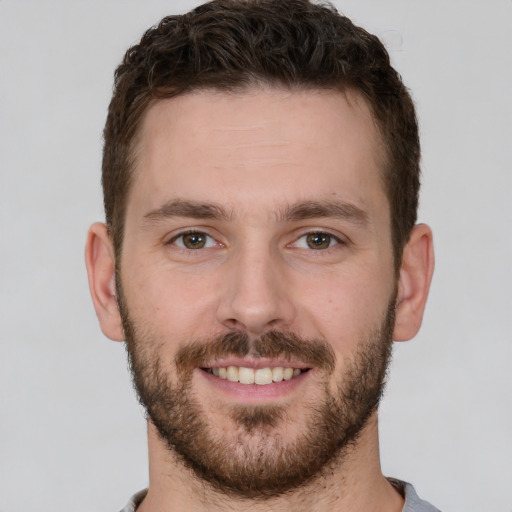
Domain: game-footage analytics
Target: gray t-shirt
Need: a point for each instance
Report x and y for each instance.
(412, 502)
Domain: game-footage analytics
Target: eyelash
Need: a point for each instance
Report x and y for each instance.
(174, 239)
(333, 241)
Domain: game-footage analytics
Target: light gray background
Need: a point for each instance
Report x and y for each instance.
(72, 437)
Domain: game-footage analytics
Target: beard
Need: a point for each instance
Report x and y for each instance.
(254, 460)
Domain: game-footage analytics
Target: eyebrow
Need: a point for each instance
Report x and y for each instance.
(295, 212)
(186, 208)
(332, 209)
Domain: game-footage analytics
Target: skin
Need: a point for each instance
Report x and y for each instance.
(257, 155)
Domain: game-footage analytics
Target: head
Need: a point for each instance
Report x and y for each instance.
(260, 176)
(232, 46)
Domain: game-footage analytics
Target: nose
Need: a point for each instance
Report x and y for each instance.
(255, 294)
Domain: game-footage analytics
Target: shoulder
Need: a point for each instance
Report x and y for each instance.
(135, 501)
(413, 503)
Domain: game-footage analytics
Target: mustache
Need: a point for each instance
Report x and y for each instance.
(314, 352)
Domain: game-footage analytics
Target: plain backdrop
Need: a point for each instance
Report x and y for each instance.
(72, 436)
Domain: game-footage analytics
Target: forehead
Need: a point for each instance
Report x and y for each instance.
(238, 146)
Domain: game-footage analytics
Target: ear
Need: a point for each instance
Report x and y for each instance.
(414, 283)
(100, 262)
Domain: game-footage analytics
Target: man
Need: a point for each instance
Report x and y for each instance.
(260, 254)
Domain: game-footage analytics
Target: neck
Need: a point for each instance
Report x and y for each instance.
(355, 483)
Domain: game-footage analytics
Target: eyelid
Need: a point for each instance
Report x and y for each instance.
(338, 237)
(191, 231)
(333, 242)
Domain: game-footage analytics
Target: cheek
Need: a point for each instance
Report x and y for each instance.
(171, 304)
(343, 308)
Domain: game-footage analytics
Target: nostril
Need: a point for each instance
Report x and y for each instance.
(253, 308)
(232, 323)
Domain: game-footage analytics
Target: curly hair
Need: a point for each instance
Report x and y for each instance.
(233, 45)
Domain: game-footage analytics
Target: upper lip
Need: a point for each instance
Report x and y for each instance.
(255, 363)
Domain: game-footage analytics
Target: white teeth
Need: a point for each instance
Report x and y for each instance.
(246, 375)
(287, 373)
(232, 373)
(261, 376)
(277, 374)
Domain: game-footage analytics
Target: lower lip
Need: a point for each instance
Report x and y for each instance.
(253, 393)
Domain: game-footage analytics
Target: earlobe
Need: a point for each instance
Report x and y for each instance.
(100, 262)
(414, 283)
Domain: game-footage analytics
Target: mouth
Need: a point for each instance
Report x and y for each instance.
(256, 376)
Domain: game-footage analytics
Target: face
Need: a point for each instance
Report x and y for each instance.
(256, 281)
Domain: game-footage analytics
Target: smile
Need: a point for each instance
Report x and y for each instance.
(260, 376)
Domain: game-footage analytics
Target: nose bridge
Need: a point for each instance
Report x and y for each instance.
(255, 297)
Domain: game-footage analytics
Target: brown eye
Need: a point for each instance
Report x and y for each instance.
(319, 240)
(194, 240)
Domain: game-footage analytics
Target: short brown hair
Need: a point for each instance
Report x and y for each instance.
(231, 45)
